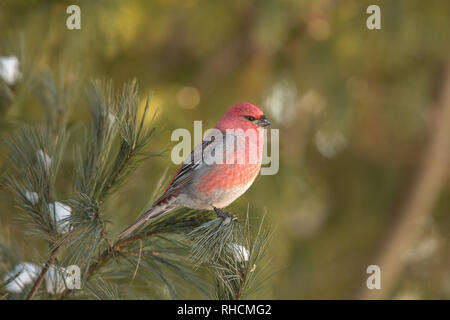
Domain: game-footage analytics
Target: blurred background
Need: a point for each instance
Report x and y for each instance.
(363, 117)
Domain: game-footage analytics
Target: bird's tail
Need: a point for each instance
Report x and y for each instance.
(153, 212)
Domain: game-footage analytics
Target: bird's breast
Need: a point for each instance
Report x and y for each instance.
(225, 177)
(222, 183)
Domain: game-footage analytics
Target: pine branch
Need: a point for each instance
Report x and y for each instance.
(45, 144)
(176, 244)
(107, 253)
(233, 255)
(38, 150)
(181, 221)
(42, 274)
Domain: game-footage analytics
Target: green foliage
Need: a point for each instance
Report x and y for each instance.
(34, 159)
(234, 255)
(353, 107)
(110, 149)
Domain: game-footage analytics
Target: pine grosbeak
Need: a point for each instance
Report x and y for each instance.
(219, 170)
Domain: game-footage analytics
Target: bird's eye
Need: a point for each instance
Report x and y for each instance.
(250, 118)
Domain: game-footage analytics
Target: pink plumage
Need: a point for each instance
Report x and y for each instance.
(205, 183)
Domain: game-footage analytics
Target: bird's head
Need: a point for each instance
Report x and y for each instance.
(243, 116)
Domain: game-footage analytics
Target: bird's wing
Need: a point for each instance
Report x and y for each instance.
(182, 178)
(185, 174)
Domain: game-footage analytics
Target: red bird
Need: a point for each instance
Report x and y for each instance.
(219, 170)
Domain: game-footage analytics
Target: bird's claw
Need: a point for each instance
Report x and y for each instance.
(224, 215)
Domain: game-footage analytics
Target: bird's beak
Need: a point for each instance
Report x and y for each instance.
(263, 122)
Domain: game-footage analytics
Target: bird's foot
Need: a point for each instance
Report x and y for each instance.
(224, 215)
